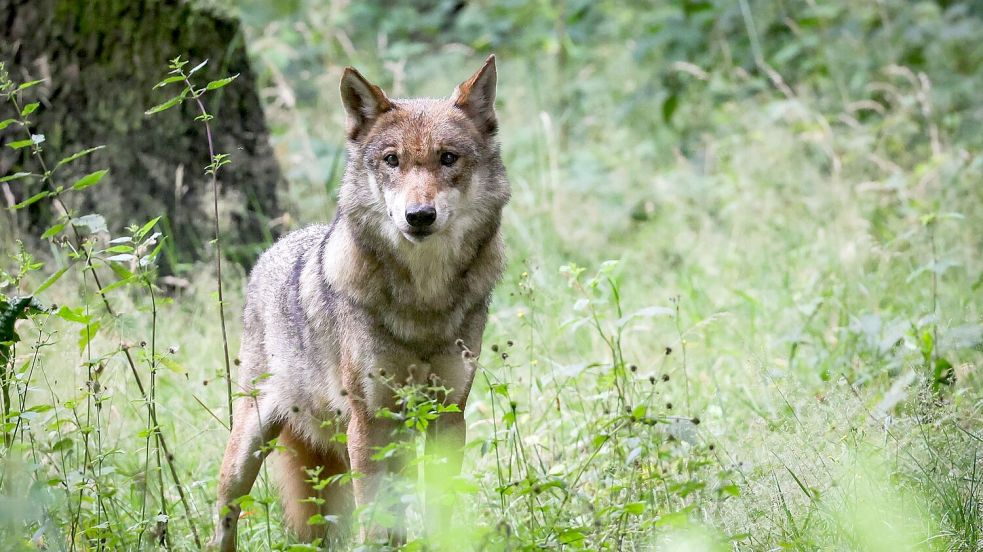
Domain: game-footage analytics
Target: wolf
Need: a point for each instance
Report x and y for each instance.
(396, 288)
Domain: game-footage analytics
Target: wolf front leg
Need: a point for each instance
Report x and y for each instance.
(256, 423)
(366, 435)
(445, 454)
(446, 437)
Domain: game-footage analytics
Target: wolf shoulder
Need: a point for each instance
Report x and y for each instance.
(273, 272)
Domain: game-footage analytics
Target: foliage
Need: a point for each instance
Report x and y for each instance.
(784, 353)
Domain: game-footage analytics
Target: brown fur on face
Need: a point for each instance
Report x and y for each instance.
(419, 132)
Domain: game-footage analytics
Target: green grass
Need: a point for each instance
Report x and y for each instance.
(773, 275)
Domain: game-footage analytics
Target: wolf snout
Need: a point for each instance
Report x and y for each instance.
(421, 216)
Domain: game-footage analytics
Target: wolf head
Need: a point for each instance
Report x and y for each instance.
(423, 170)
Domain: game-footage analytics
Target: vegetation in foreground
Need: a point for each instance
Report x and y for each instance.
(784, 351)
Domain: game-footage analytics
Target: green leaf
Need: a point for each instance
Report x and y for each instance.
(943, 373)
(72, 315)
(634, 508)
(90, 179)
(572, 537)
(29, 84)
(118, 283)
(51, 280)
(150, 257)
(121, 258)
(197, 67)
(29, 108)
(87, 334)
(20, 144)
(17, 309)
(16, 176)
(145, 228)
(166, 105)
(75, 156)
(168, 80)
(172, 365)
(120, 271)
(220, 83)
(53, 231)
(7, 122)
(31, 200)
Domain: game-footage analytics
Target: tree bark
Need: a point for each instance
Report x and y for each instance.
(100, 61)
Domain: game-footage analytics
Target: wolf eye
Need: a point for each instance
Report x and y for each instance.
(391, 160)
(447, 158)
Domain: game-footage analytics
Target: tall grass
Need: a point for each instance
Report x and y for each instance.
(744, 318)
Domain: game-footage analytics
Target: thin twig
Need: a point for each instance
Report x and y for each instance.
(196, 94)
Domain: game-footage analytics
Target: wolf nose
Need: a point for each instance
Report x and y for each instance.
(420, 216)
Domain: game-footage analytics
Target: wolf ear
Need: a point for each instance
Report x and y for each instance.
(364, 102)
(476, 96)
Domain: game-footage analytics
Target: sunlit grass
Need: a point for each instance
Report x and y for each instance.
(745, 360)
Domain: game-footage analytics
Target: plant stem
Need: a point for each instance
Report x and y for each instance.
(36, 150)
(196, 94)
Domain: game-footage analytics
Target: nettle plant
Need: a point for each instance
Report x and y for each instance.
(54, 442)
(182, 78)
(600, 458)
(60, 440)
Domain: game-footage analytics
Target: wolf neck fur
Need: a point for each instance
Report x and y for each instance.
(363, 244)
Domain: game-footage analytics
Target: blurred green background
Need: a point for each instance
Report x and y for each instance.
(778, 208)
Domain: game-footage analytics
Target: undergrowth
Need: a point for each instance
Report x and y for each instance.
(742, 309)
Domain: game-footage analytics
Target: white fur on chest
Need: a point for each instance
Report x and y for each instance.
(432, 265)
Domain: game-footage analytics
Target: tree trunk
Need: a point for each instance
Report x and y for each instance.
(100, 61)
